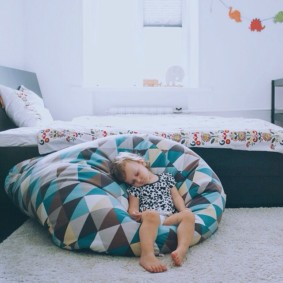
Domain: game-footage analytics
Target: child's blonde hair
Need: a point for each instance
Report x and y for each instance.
(118, 165)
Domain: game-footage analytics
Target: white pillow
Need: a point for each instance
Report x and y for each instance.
(24, 107)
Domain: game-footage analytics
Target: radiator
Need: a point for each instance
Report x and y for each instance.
(141, 110)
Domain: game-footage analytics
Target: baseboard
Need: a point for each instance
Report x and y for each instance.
(264, 114)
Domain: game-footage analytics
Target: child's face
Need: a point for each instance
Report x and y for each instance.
(137, 173)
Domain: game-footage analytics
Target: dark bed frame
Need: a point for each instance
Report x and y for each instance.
(10, 216)
(249, 178)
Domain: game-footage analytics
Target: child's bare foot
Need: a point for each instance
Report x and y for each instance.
(152, 264)
(178, 256)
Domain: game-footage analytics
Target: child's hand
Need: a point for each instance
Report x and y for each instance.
(136, 215)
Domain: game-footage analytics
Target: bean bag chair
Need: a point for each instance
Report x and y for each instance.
(72, 193)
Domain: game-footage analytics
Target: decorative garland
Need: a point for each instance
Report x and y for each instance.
(256, 23)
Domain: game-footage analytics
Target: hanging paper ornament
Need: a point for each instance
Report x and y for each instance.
(278, 17)
(256, 25)
(235, 15)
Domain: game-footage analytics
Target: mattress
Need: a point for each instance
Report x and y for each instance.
(27, 136)
(190, 130)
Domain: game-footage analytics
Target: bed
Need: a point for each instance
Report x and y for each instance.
(10, 216)
(248, 161)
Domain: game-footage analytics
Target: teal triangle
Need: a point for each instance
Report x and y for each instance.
(160, 161)
(218, 210)
(80, 210)
(206, 170)
(208, 220)
(174, 155)
(121, 251)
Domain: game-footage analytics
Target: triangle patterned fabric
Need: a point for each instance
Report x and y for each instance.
(72, 194)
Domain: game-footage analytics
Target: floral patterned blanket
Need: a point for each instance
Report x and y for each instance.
(192, 131)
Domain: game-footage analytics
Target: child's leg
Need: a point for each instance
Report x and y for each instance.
(185, 231)
(148, 233)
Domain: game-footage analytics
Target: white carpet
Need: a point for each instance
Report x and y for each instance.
(248, 247)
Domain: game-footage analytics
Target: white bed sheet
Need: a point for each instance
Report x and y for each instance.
(171, 122)
(27, 136)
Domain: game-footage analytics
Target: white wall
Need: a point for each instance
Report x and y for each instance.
(11, 33)
(54, 51)
(236, 65)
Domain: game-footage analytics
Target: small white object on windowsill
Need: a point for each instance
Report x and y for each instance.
(174, 76)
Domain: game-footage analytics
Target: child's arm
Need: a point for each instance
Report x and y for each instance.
(134, 208)
(177, 199)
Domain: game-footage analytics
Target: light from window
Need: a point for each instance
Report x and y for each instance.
(166, 13)
(126, 47)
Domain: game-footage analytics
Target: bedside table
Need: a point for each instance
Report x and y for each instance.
(276, 114)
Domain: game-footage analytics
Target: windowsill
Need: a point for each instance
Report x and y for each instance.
(146, 89)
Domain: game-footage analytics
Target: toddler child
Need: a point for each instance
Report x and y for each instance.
(154, 200)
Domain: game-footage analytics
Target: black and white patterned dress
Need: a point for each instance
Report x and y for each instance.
(157, 195)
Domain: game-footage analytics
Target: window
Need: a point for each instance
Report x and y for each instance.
(135, 43)
(162, 13)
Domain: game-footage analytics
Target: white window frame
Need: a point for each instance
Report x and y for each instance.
(190, 25)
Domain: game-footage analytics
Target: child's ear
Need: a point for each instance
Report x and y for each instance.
(145, 164)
